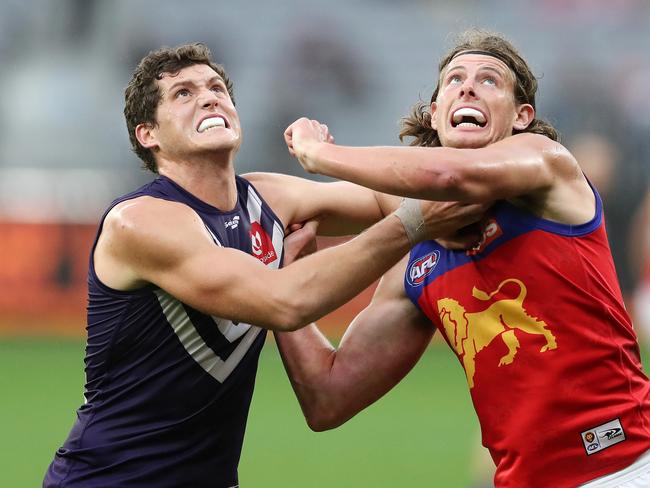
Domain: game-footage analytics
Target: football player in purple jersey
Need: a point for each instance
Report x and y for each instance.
(185, 278)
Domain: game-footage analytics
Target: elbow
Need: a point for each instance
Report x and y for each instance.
(456, 185)
(286, 315)
(298, 316)
(328, 412)
(448, 184)
(436, 184)
(319, 426)
(322, 421)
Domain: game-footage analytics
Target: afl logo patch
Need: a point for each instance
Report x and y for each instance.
(421, 268)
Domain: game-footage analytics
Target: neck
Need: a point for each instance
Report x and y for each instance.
(211, 181)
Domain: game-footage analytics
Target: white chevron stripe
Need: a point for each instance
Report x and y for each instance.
(185, 329)
(196, 346)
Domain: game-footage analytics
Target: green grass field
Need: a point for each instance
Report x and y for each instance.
(420, 434)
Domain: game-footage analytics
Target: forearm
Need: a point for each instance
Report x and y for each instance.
(309, 358)
(319, 283)
(332, 385)
(242, 289)
(405, 171)
(342, 208)
(378, 349)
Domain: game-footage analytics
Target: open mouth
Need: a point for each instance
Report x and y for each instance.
(211, 123)
(468, 117)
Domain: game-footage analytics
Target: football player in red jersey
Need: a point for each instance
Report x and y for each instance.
(534, 312)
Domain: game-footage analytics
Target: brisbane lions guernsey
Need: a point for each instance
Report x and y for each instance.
(536, 317)
(168, 388)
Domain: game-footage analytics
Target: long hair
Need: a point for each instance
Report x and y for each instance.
(418, 124)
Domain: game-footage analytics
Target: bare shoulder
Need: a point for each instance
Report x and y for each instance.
(272, 181)
(263, 178)
(145, 234)
(569, 199)
(139, 226)
(558, 158)
(145, 215)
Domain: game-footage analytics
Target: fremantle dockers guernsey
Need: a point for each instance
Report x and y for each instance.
(535, 315)
(168, 388)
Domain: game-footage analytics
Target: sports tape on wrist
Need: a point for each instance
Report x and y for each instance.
(410, 214)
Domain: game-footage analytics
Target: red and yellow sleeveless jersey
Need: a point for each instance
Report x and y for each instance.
(536, 318)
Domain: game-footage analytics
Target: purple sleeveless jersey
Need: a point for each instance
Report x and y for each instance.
(168, 388)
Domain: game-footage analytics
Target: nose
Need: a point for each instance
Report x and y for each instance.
(467, 90)
(208, 98)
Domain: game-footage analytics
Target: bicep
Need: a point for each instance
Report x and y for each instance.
(384, 341)
(342, 208)
(218, 281)
(188, 265)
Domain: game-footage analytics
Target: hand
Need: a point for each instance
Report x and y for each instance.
(300, 242)
(302, 136)
(464, 238)
(453, 222)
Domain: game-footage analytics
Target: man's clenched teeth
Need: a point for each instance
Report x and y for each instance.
(468, 117)
(211, 122)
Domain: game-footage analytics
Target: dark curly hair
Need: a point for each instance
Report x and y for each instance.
(142, 95)
(418, 124)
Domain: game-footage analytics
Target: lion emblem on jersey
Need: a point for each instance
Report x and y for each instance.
(469, 333)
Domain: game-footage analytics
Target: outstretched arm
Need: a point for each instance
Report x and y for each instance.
(530, 167)
(502, 170)
(379, 348)
(136, 247)
(341, 208)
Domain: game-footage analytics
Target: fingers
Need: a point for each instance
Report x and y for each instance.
(309, 227)
(472, 212)
(301, 241)
(307, 128)
(312, 226)
(459, 242)
(445, 218)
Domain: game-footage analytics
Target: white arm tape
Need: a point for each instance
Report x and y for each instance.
(410, 214)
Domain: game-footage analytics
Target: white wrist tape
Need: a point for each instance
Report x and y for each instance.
(410, 214)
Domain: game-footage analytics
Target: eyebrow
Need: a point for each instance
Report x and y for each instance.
(212, 80)
(482, 68)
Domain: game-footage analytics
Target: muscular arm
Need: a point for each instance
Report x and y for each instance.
(379, 348)
(148, 240)
(538, 173)
(505, 169)
(341, 208)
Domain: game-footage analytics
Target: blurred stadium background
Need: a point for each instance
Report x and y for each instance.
(357, 65)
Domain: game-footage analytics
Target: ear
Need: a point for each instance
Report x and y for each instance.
(146, 135)
(434, 115)
(524, 116)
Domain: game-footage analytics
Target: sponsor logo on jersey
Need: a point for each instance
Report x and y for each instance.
(422, 267)
(262, 245)
(232, 223)
(491, 232)
(503, 318)
(603, 436)
(610, 434)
